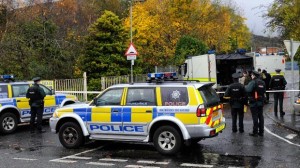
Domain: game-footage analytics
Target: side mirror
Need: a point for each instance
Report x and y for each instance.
(95, 100)
(52, 92)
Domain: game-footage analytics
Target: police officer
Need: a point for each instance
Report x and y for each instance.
(36, 95)
(267, 82)
(237, 94)
(278, 82)
(256, 90)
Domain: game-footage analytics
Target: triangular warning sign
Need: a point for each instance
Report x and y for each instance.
(131, 50)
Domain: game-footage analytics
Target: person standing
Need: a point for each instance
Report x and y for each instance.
(278, 82)
(36, 95)
(256, 94)
(245, 79)
(267, 82)
(237, 94)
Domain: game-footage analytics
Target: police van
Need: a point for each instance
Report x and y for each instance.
(14, 106)
(166, 113)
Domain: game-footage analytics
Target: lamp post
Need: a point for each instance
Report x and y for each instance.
(132, 61)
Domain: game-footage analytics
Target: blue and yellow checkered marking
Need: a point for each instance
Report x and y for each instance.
(129, 114)
(8, 102)
(59, 99)
(84, 113)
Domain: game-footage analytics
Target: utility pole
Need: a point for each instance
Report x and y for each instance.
(132, 61)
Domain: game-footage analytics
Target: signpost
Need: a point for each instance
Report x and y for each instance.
(292, 47)
(131, 54)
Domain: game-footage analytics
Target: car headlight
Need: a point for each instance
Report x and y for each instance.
(55, 115)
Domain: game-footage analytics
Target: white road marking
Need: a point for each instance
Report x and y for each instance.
(26, 159)
(152, 162)
(75, 155)
(163, 163)
(113, 160)
(79, 157)
(63, 161)
(195, 165)
(281, 137)
(146, 161)
(291, 136)
(140, 166)
(100, 164)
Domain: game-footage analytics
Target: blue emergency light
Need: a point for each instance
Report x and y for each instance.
(7, 77)
(160, 76)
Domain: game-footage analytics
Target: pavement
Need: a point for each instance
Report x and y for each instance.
(291, 119)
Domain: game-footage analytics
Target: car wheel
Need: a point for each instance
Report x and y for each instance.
(70, 135)
(8, 123)
(167, 140)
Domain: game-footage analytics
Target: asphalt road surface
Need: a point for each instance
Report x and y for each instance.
(278, 148)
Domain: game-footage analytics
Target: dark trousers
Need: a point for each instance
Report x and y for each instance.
(36, 112)
(278, 96)
(258, 119)
(234, 113)
(267, 96)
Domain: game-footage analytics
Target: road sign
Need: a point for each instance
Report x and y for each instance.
(131, 57)
(131, 51)
(291, 44)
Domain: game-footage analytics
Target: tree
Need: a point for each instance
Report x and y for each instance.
(32, 49)
(283, 16)
(157, 28)
(188, 46)
(104, 50)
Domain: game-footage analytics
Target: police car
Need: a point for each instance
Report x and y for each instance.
(14, 106)
(165, 113)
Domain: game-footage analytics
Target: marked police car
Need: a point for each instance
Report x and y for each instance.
(14, 106)
(165, 113)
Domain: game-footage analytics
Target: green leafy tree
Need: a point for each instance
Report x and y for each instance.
(104, 50)
(284, 17)
(32, 49)
(188, 45)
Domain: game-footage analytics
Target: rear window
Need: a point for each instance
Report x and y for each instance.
(3, 91)
(174, 96)
(209, 95)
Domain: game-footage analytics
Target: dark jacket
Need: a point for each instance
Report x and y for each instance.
(253, 87)
(278, 82)
(36, 95)
(237, 93)
(267, 80)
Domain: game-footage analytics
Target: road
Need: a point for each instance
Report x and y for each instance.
(278, 148)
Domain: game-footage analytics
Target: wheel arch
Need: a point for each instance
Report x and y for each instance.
(11, 109)
(168, 120)
(72, 118)
(66, 101)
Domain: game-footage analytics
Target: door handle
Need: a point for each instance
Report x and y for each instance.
(148, 111)
(18, 100)
(115, 111)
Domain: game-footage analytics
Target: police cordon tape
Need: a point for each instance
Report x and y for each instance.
(274, 91)
(98, 92)
(88, 92)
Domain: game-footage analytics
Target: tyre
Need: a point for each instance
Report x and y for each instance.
(167, 140)
(8, 122)
(70, 135)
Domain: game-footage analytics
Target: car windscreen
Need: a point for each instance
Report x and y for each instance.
(209, 95)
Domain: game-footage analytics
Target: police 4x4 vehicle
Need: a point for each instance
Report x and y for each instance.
(14, 106)
(165, 113)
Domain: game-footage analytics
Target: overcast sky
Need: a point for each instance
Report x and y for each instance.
(253, 11)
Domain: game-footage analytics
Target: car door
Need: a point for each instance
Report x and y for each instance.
(49, 102)
(19, 94)
(140, 104)
(106, 115)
